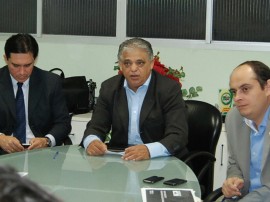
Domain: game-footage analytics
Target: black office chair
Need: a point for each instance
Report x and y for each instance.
(213, 196)
(204, 124)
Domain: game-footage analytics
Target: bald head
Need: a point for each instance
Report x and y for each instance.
(260, 70)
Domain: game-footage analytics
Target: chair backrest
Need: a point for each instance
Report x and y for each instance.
(204, 124)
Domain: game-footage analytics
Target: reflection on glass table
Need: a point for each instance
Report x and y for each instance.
(68, 172)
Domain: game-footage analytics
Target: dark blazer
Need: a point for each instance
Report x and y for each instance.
(47, 111)
(162, 117)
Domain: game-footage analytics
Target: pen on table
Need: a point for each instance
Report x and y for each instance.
(55, 155)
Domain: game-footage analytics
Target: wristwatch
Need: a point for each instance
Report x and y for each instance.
(49, 142)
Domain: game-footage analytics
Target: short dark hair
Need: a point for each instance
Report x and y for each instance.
(21, 43)
(14, 188)
(261, 70)
(135, 43)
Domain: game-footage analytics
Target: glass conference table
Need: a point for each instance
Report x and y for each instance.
(70, 174)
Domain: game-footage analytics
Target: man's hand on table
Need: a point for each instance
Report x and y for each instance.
(10, 144)
(136, 153)
(38, 142)
(96, 148)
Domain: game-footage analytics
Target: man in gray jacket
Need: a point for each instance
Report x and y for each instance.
(248, 131)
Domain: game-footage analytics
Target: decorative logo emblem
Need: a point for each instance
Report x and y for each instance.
(226, 98)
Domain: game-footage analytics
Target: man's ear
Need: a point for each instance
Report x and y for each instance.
(5, 58)
(152, 63)
(267, 87)
(35, 60)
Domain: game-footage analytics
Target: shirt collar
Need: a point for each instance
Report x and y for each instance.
(251, 123)
(14, 81)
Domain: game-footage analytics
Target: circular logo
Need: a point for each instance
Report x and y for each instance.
(226, 98)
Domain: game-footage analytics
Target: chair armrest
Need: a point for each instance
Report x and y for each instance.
(193, 155)
(191, 159)
(213, 196)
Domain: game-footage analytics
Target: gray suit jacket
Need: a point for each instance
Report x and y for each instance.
(238, 134)
(162, 118)
(47, 111)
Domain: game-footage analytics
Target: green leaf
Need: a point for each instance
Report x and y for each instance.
(184, 92)
(182, 74)
(192, 90)
(194, 94)
(199, 89)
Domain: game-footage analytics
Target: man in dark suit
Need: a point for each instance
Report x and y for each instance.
(46, 121)
(144, 110)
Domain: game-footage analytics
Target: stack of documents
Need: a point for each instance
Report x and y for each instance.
(168, 195)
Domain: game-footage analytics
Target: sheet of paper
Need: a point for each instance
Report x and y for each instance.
(168, 195)
(115, 152)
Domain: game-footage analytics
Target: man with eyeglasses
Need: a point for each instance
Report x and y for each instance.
(33, 112)
(144, 110)
(248, 133)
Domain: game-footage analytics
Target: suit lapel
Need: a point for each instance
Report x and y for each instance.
(148, 100)
(121, 107)
(7, 92)
(245, 151)
(35, 91)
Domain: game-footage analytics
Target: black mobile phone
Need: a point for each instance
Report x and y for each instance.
(25, 145)
(152, 179)
(174, 182)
